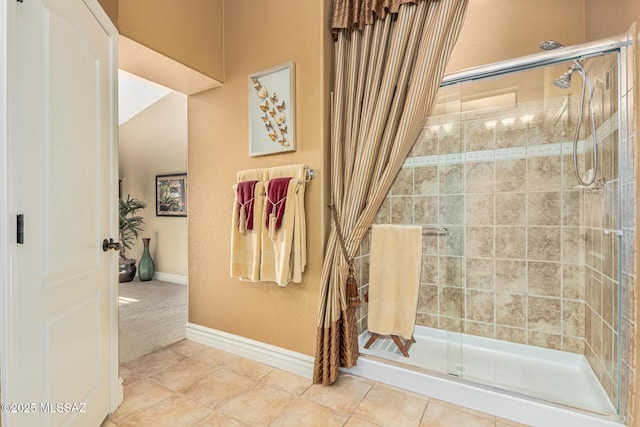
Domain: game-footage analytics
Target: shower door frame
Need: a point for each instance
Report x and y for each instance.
(618, 46)
(621, 45)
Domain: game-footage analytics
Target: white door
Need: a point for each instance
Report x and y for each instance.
(63, 137)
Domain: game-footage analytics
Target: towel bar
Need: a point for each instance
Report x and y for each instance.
(309, 173)
(433, 230)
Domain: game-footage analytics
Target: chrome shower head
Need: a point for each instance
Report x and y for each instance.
(550, 45)
(564, 81)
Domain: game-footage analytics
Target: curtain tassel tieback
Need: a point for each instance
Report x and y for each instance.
(351, 286)
(353, 296)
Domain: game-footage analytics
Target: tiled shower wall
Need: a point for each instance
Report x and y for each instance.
(601, 236)
(628, 224)
(510, 206)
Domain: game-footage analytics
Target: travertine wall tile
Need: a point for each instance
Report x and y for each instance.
(543, 173)
(480, 177)
(511, 310)
(543, 243)
(510, 208)
(510, 242)
(510, 175)
(480, 242)
(544, 315)
(511, 276)
(543, 208)
(480, 209)
(544, 278)
(480, 273)
(426, 180)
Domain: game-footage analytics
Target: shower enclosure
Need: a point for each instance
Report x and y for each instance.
(527, 290)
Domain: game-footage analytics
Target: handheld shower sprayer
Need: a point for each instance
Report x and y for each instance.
(564, 82)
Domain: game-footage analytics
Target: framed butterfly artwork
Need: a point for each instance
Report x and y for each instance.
(272, 110)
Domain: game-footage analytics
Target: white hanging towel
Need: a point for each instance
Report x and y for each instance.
(246, 244)
(284, 255)
(394, 279)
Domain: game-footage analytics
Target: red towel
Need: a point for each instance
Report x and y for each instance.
(276, 200)
(246, 195)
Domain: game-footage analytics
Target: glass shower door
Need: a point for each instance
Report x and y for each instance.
(526, 271)
(547, 240)
(445, 244)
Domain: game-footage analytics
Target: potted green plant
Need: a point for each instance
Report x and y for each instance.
(130, 226)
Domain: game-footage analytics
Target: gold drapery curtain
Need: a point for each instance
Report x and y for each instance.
(386, 79)
(358, 13)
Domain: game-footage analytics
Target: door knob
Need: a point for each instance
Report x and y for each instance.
(110, 244)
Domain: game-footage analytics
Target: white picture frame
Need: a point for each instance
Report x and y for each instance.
(272, 110)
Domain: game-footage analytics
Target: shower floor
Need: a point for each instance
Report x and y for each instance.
(550, 375)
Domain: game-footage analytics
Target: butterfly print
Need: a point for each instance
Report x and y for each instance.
(264, 107)
(268, 125)
(284, 130)
(273, 135)
(280, 107)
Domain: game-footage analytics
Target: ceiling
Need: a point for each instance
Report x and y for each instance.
(136, 94)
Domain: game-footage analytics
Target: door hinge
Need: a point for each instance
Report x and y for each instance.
(21, 229)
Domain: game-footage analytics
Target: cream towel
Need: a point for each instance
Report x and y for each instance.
(284, 257)
(394, 279)
(246, 247)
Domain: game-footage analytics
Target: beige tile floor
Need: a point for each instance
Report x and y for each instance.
(189, 384)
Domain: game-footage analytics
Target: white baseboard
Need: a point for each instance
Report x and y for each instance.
(171, 278)
(277, 357)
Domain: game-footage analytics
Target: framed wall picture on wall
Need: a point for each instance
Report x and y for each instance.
(171, 195)
(272, 110)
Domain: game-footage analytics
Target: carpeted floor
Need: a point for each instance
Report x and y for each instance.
(152, 315)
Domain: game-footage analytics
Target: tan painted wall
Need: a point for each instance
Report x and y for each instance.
(258, 35)
(496, 30)
(603, 20)
(188, 32)
(111, 7)
(155, 142)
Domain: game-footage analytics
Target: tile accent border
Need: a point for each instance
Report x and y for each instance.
(278, 357)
